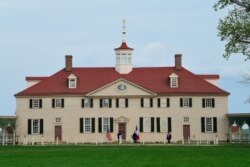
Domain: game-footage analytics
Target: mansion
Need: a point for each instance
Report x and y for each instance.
(86, 103)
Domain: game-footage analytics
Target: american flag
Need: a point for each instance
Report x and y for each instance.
(108, 135)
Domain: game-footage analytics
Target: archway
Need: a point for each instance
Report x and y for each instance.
(9, 135)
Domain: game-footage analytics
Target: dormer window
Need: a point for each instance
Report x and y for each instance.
(174, 80)
(72, 81)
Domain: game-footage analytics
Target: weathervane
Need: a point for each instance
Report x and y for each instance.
(123, 30)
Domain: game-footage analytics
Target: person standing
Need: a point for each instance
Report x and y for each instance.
(119, 137)
(169, 136)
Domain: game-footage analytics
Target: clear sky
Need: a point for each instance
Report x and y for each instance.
(35, 35)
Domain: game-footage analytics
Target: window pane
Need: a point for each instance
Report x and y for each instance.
(121, 103)
(58, 103)
(105, 124)
(105, 103)
(35, 126)
(146, 102)
(86, 102)
(163, 102)
(185, 102)
(35, 103)
(208, 102)
(87, 125)
(209, 124)
(146, 124)
(164, 124)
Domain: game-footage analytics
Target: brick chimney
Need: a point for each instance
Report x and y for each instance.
(178, 61)
(68, 63)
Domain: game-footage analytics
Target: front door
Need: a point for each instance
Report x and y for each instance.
(186, 132)
(122, 130)
(58, 132)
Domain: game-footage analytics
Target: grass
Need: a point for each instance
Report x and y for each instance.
(125, 156)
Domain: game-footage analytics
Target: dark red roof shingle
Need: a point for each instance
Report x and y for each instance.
(155, 79)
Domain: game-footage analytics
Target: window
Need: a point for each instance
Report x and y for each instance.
(147, 124)
(57, 103)
(87, 125)
(35, 126)
(163, 124)
(58, 120)
(208, 102)
(163, 102)
(123, 59)
(35, 103)
(208, 124)
(105, 124)
(173, 80)
(146, 102)
(122, 103)
(72, 79)
(87, 103)
(185, 102)
(186, 119)
(105, 103)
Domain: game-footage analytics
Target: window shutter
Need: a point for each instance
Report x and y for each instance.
(91, 103)
(151, 102)
(213, 103)
(41, 126)
(117, 103)
(111, 128)
(40, 103)
(152, 124)
(181, 102)
(81, 125)
(203, 103)
(29, 126)
(110, 103)
(126, 103)
(53, 103)
(158, 125)
(159, 102)
(62, 101)
(100, 125)
(168, 102)
(93, 125)
(142, 102)
(141, 124)
(82, 103)
(190, 102)
(169, 124)
(100, 103)
(202, 124)
(215, 124)
(31, 101)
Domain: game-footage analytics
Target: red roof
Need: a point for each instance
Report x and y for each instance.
(35, 78)
(211, 76)
(154, 79)
(124, 46)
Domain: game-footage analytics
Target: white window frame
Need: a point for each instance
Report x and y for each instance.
(186, 119)
(163, 103)
(185, 102)
(105, 124)
(58, 120)
(209, 124)
(72, 83)
(164, 124)
(87, 125)
(208, 102)
(35, 103)
(122, 103)
(35, 128)
(58, 103)
(105, 103)
(146, 124)
(146, 102)
(174, 82)
(87, 103)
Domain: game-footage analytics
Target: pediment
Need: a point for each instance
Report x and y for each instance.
(122, 88)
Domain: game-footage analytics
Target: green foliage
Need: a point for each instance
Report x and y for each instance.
(4, 122)
(125, 156)
(235, 27)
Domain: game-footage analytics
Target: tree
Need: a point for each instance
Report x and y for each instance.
(235, 27)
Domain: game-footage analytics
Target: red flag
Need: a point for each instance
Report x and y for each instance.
(108, 135)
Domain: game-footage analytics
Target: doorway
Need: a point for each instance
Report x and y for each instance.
(58, 133)
(186, 132)
(122, 130)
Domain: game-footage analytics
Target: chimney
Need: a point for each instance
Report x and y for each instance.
(68, 63)
(178, 61)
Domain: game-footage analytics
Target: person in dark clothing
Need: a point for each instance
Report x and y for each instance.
(134, 137)
(169, 136)
(119, 137)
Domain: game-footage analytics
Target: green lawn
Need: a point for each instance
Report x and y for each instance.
(125, 156)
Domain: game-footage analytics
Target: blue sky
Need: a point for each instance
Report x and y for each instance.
(35, 36)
